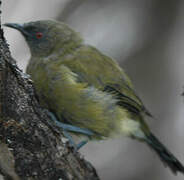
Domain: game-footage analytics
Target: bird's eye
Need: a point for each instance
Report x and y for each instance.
(39, 35)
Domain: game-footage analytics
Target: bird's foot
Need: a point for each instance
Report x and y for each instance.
(72, 143)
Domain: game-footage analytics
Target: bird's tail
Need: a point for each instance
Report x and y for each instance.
(165, 155)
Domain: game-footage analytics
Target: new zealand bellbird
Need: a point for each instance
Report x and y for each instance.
(85, 88)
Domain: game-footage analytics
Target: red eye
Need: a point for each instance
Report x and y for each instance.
(39, 35)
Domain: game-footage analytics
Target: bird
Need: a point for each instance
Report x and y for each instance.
(86, 92)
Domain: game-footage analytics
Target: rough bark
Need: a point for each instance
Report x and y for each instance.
(30, 146)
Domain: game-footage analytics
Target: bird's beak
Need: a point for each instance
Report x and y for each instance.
(19, 27)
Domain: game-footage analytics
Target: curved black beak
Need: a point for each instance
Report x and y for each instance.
(19, 27)
(14, 26)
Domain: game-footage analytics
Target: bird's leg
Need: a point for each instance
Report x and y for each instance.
(67, 127)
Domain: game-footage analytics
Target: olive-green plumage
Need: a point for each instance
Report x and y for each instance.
(86, 88)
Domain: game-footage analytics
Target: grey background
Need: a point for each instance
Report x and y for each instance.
(147, 38)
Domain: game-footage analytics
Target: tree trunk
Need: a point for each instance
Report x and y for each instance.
(30, 146)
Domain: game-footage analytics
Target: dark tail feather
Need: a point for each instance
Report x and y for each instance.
(165, 155)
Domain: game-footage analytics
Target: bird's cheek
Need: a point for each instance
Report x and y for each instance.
(43, 45)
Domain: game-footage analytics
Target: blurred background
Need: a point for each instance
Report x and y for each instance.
(147, 38)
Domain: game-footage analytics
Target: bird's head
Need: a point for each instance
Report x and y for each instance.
(46, 36)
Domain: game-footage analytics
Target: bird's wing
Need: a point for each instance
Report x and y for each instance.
(100, 71)
(129, 103)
